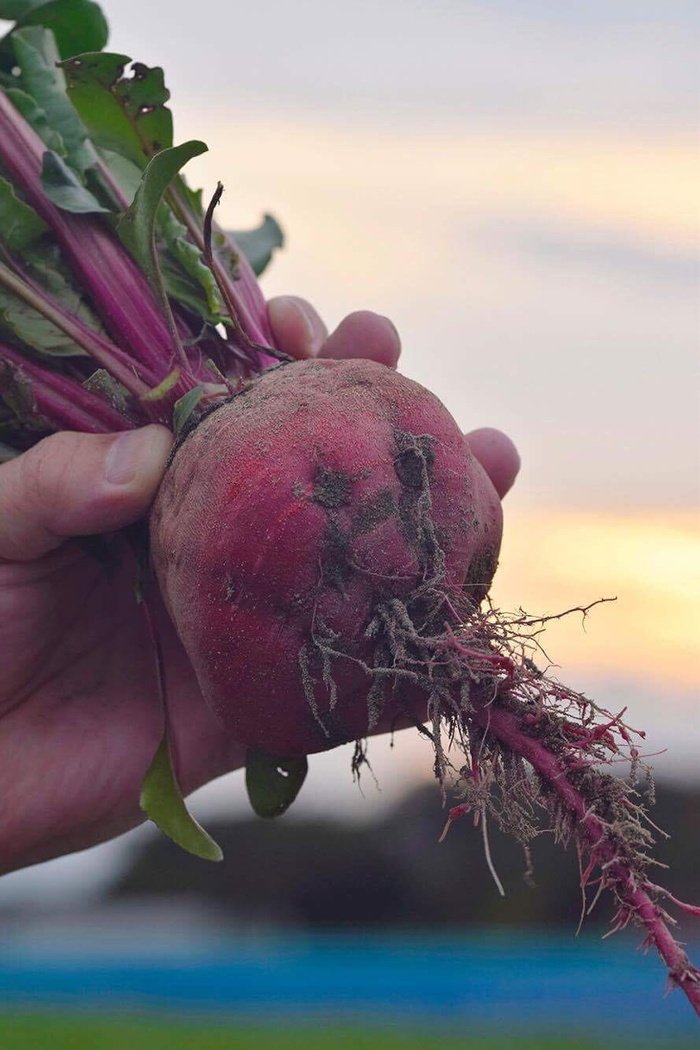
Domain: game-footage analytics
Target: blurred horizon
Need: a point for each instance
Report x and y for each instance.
(328, 922)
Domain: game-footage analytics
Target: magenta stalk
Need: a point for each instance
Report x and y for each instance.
(599, 842)
(61, 401)
(119, 291)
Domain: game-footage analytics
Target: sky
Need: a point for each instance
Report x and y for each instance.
(516, 186)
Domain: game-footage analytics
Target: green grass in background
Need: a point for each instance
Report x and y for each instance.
(64, 1032)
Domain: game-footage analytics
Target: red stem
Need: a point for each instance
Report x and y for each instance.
(245, 293)
(65, 404)
(105, 353)
(118, 289)
(507, 728)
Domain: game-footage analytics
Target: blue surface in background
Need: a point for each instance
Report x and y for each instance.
(491, 980)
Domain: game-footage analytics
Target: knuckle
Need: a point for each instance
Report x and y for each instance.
(44, 469)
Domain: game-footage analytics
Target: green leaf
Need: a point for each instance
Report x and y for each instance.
(215, 370)
(190, 280)
(184, 407)
(77, 25)
(37, 119)
(42, 262)
(192, 200)
(162, 801)
(136, 228)
(125, 173)
(163, 388)
(20, 225)
(181, 287)
(32, 328)
(125, 114)
(100, 183)
(62, 186)
(259, 244)
(37, 56)
(11, 10)
(273, 783)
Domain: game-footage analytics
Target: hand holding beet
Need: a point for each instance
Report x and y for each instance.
(324, 537)
(79, 712)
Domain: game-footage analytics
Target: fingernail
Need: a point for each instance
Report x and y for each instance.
(304, 318)
(125, 454)
(313, 324)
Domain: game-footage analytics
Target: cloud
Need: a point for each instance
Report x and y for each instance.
(599, 13)
(508, 64)
(604, 251)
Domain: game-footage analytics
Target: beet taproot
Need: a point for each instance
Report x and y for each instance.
(296, 523)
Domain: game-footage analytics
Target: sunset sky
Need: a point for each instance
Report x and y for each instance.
(516, 186)
(517, 191)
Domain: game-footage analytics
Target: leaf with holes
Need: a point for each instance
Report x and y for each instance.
(126, 114)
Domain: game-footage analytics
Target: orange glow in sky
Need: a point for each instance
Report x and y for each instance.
(555, 559)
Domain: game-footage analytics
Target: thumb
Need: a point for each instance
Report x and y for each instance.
(76, 485)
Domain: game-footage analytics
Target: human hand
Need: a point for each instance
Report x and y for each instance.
(80, 714)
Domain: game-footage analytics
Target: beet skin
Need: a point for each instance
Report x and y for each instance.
(298, 524)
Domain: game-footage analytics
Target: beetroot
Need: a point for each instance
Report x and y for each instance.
(326, 504)
(324, 541)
